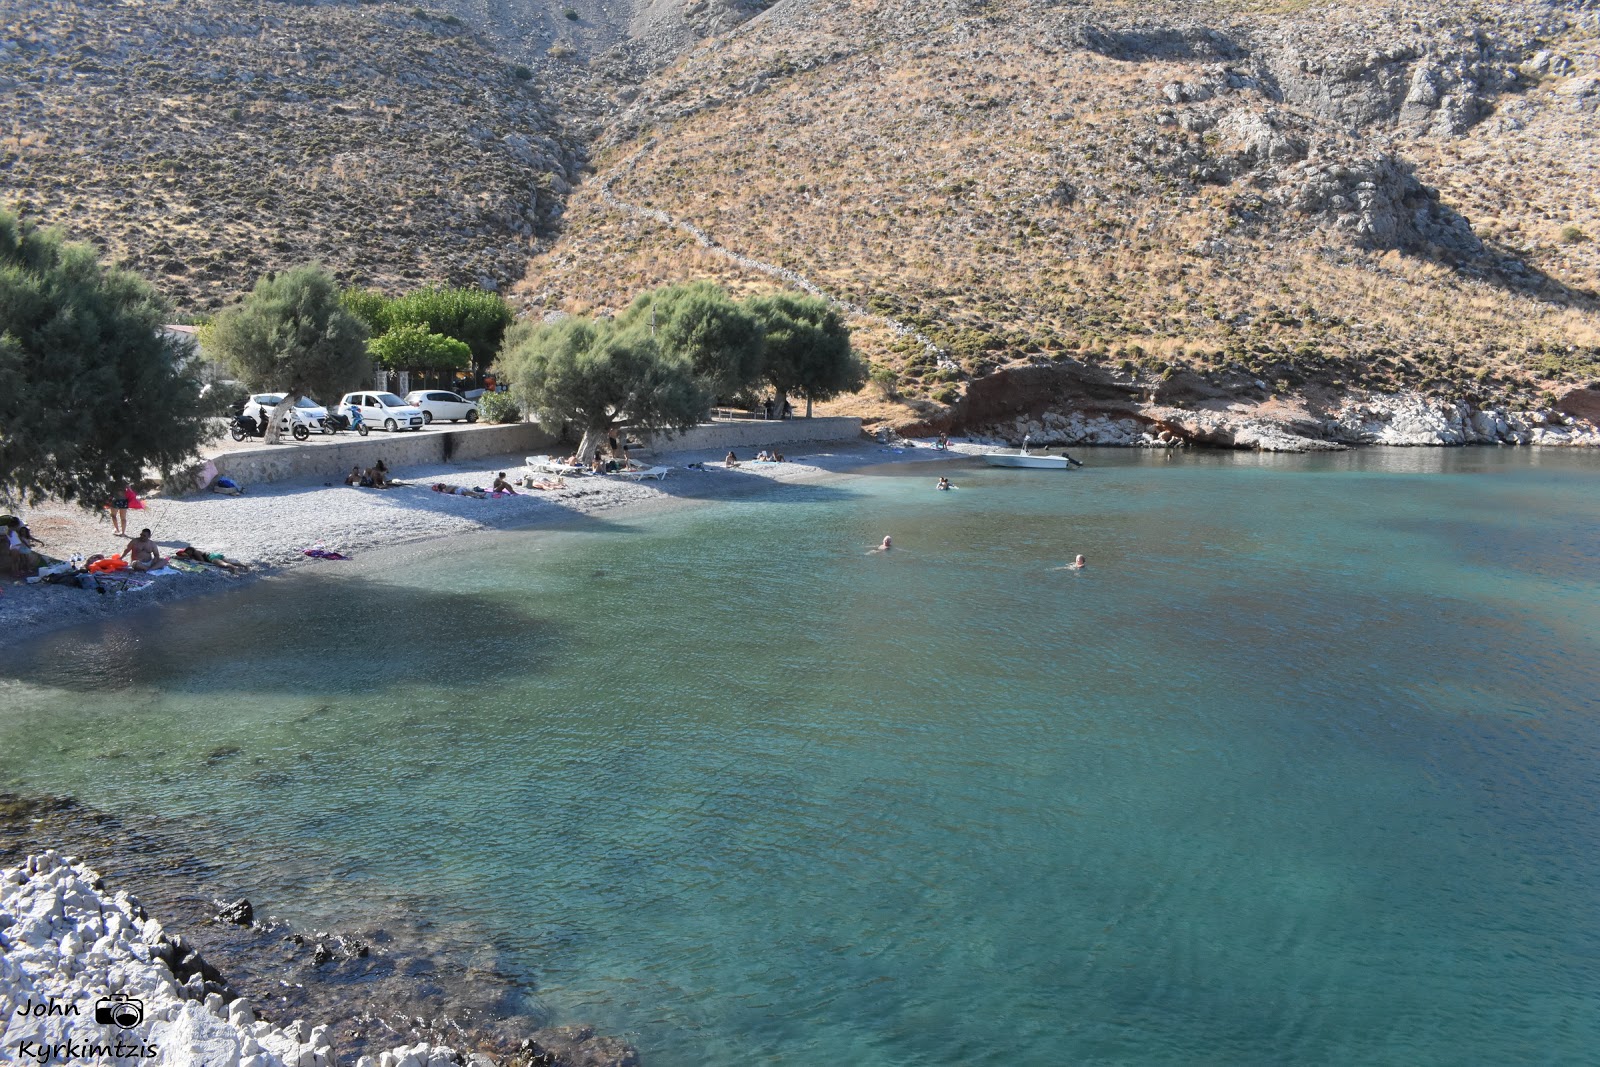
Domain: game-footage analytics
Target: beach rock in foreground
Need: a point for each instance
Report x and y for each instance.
(87, 975)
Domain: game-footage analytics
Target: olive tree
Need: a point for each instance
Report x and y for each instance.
(92, 390)
(596, 375)
(699, 323)
(808, 348)
(292, 333)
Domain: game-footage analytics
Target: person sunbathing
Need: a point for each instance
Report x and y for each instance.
(501, 485)
(216, 559)
(730, 460)
(143, 554)
(458, 490)
(379, 474)
(358, 477)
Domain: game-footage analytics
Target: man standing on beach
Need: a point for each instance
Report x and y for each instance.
(143, 554)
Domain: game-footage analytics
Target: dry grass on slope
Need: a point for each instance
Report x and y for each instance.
(205, 142)
(1016, 196)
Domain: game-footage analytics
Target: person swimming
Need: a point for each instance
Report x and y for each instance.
(885, 545)
(1076, 565)
(944, 483)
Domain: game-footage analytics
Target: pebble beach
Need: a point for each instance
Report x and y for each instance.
(271, 526)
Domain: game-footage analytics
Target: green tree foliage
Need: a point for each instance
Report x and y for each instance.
(368, 305)
(92, 392)
(292, 333)
(808, 348)
(414, 348)
(476, 317)
(699, 323)
(597, 375)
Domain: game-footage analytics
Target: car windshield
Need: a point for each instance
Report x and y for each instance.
(306, 402)
(389, 400)
(448, 397)
(268, 398)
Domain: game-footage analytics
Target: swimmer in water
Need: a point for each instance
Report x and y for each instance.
(887, 544)
(1076, 565)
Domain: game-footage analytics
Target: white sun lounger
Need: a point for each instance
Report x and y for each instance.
(658, 473)
(551, 465)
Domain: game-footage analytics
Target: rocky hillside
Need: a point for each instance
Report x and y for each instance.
(1302, 199)
(1290, 203)
(203, 142)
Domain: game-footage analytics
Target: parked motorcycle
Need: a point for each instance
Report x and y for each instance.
(244, 426)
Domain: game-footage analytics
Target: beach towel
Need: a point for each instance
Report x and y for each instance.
(108, 566)
(322, 553)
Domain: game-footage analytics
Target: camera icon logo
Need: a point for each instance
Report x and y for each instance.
(119, 1009)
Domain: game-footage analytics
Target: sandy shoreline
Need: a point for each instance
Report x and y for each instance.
(270, 527)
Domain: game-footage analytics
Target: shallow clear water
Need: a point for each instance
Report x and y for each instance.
(1302, 769)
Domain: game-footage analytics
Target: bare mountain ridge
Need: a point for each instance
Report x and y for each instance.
(206, 142)
(1318, 196)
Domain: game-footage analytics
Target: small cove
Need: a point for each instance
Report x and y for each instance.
(1301, 769)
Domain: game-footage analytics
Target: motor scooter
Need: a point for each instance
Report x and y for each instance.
(244, 426)
(348, 419)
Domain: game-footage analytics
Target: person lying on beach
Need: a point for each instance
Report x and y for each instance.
(501, 485)
(458, 490)
(730, 460)
(142, 553)
(216, 559)
(559, 483)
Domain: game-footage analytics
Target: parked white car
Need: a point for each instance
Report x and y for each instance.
(384, 409)
(441, 404)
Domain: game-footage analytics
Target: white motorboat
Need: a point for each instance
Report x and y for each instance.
(1024, 459)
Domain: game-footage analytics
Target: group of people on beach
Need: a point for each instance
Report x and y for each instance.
(373, 477)
(764, 456)
(141, 555)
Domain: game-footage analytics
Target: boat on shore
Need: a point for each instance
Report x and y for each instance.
(1024, 459)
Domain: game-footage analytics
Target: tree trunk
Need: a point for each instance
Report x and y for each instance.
(286, 405)
(808, 407)
(593, 437)
(779, 399)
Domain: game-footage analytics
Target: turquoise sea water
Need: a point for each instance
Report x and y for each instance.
(1301, 770)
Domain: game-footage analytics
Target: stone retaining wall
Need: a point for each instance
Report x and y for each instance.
(331, 462)
(755, 434)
